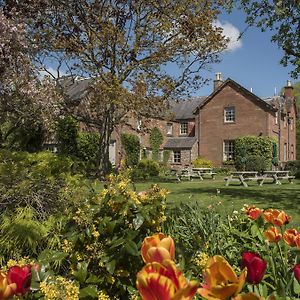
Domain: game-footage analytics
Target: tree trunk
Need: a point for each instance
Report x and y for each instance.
(103, 166)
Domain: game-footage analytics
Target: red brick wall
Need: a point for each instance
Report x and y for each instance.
(251, 118)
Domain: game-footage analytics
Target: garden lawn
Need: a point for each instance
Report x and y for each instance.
(214, 192)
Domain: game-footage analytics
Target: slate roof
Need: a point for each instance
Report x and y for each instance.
(75, 87)
(180, 143)
(184, 109)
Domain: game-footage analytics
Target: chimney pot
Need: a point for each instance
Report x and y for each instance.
(288, 90)
(218, 81)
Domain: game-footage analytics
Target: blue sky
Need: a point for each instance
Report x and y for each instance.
(253, 61)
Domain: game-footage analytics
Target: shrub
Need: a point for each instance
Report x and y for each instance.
(294, 167)
(87, 146)
(201, 162)
(248, 147)
(66, 134)
(34, 180)
(166, 156)
(257, 163)
(146, 168)
(156, 139)
(131, 146)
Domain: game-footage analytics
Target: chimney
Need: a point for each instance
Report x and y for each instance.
(218, 81)
(288, 90)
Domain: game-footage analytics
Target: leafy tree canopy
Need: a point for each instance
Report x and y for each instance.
(283, 18)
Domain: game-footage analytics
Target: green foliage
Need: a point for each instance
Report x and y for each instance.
(32, 179)
(166, 156)
(100, 245)
(66, 134)
(257, 163)
(87, 146)
(201, 162)
(250, 148)
(156, 139)
(294, 167)
(146, 168)
(131, 144)
(23, 137)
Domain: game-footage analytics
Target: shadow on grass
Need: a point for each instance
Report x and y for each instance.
(285, 197)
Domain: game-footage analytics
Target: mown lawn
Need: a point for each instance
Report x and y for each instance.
(233, 197)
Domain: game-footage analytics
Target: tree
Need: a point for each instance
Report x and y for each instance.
(26, 106)
(281, 16)
(126, 48)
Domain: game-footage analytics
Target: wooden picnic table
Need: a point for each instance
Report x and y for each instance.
(243, 177)
(203, 172)
(277, 176)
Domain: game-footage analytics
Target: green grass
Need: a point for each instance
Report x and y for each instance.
(285, 197)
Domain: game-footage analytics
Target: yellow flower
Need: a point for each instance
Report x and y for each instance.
(103, 296)
(201, 260)
(221, 282)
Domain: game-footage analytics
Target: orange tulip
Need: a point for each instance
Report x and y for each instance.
(7, 290)
(253, 212)
(272, 234)
(289, 237)
(276, 217)
(164, 281)
(221, 282)
(157, 248)
(297, 240)
(248, 296)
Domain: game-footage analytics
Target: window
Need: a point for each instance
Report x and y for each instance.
(176, 156)
(292, 152)
(276, 118)
(138, 124)
(285, 149)
(228, 150)
(291, 121)
(184, 128)
(229, 114)
(169, 129)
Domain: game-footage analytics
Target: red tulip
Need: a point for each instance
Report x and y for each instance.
(255, 265)
(21, 276)
(253, 212)
(297, 240)
(297, 272)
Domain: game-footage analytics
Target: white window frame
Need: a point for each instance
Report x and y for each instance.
(169, 129)
(276, 118)
(229, 114)
(176, 156)
(184, 128)
(228, 150)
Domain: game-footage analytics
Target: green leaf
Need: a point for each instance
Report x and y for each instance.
(81, 272)
(110, 266)
(111, 226)
(93, 279)
(89, 291)
(296, 286)
(132, 248)
(48, 256)
(117, 243)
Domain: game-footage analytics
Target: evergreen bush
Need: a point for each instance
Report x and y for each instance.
(131, 145)
(156, 139)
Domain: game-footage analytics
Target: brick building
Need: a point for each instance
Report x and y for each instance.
(208, 126)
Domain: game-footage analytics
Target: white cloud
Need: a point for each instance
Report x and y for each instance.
(231, 32)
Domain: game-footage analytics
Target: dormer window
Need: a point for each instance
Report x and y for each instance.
(184, 128)
(229, 114)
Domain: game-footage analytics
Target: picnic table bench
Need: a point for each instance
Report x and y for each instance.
(243, 177)
(203, 172)
(277, 176)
